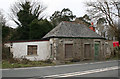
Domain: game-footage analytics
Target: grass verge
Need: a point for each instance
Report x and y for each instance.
(7, 64)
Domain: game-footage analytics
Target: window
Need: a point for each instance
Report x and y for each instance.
(68, 50)
(32, 49)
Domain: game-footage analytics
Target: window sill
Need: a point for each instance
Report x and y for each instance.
(31, 55)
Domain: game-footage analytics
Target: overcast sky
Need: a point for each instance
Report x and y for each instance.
(76, 6)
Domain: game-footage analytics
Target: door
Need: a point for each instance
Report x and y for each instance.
(96, 54)
(87, 51)
(68, 50)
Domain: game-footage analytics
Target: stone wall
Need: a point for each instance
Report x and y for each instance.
(58, 48)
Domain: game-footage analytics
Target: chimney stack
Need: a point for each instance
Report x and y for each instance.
(91, 27)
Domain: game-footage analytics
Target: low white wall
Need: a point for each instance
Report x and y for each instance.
(19, 49)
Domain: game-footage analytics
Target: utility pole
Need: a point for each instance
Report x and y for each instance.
(119, 25)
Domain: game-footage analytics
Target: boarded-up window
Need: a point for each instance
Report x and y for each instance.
(32, 49)
(68, 50)
(87, 51)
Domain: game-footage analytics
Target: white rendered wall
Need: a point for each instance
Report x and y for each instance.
(19, 49)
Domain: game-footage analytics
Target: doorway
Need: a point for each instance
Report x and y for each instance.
(97, 50)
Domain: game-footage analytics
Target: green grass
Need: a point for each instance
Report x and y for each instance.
(7, 64)
(113, 58)
(13, 63)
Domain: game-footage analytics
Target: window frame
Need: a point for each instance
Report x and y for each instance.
(33, 49)
(66, 53)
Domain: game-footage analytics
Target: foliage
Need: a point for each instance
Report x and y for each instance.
(84, 20)
(24, 61)
(116, 51)
(48, 61)
(6, 54)
(25, 19)
(17, 34)
(18, 63)
(2, 19)
(115, 55)
(65, 15)
(6, 31)
(101, 26)
(26, 13)
(75, 60)
(39, 28)
(7, 64)
(101, 21)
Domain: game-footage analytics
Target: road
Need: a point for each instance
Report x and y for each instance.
(93, 69)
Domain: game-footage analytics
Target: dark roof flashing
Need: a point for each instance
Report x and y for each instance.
(18, 41)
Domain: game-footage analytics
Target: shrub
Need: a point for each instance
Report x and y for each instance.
(75, 60)
(6, 54)
(24, 61)
(13, 60)
(116, 51)
(48, 61)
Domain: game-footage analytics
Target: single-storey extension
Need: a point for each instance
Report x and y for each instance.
(32, 50)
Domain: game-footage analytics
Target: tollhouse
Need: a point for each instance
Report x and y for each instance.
(71, 40)
(66, 41)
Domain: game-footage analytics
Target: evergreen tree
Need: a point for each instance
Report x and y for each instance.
(39, 28)
(27, 13)
(65, 15)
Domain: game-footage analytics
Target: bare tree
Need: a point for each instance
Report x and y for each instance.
(101, 26)
(2, 19)
(107, 9)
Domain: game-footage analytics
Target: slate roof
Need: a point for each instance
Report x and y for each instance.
(70, 29)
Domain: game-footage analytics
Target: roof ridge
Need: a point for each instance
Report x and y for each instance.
(73, 22)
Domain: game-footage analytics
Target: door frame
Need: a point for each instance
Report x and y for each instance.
(68, 42)
(84, 50)
(98, 53)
